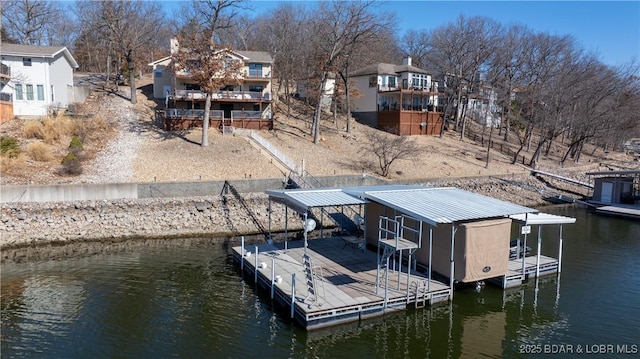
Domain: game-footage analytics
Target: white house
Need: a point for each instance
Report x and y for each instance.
(40, 80)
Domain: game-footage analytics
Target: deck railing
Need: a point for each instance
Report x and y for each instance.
(247, 115)
(259, 74)
(232, 95)
(192, 113)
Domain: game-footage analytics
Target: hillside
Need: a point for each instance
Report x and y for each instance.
(131, 147)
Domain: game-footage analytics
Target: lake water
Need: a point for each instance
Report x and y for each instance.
(189, 301)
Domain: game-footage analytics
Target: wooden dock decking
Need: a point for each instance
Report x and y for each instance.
(345, 285)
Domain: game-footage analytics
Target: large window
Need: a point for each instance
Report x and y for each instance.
(392, 81)
(40, 89)
(18, 88)
(255, 70)
(29, 92)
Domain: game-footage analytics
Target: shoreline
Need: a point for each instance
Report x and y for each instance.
(40, 230)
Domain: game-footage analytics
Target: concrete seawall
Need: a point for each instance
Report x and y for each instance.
(181, 210)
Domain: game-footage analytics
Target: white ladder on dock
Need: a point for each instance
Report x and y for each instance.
(312, 279)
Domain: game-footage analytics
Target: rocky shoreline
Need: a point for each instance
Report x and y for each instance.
(34, 230)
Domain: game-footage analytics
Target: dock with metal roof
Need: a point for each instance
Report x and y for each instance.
(335, 278)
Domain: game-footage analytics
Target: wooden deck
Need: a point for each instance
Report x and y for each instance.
(345, 282)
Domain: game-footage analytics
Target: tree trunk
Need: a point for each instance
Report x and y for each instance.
(205, 121)
(346, 94)
(486, 165)
(132, 77)
(316, 117)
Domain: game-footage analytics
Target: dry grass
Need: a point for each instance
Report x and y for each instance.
(39, 151)
(33, 129)
(12, 166)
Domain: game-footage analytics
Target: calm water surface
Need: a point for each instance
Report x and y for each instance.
(189, 301)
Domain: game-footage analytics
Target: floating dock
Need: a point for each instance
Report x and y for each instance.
(514, 277)
(334, 282)
(620, 210)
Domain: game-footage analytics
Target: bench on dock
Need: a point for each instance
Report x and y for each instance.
(354, 242)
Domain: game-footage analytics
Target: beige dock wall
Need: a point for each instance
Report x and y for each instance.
(479, 246)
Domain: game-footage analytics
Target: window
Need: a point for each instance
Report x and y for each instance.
(255, 88)
(26, 61)
(373, 81)
(255, 70)
(392, 81)
(40, 89)
(18, 88)
(158, 72)
(192, 87)
(29, 92)
(53, 95)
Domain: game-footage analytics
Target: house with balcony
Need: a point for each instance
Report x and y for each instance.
(244, 105)
(401, 99)
(35, 80)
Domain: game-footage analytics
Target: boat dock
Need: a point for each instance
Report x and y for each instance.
(334, 282)
(514, 277)
(620, 210)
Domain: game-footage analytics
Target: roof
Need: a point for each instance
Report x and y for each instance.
(257, 56)
(438, 205)
(614, 173)
(304, 199)
(387, 69)
(542, 218)
(433, 205)
(163, 61)
(37, 51)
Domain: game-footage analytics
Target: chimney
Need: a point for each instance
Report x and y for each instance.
(407, 61)
(173, 44)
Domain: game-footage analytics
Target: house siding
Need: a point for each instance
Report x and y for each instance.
(48, 72)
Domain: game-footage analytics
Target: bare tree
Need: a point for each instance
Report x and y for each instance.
(28, 21)
(389, 148)
(337, 28)
(203, 58)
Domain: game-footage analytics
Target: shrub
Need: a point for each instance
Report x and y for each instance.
(76, 145)
(12, 164)
(9, 147)
(33, 129)
(71, 164)
(40, 152)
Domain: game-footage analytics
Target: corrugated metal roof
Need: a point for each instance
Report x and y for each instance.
(542, 218)
(305, 198)
(445, 205)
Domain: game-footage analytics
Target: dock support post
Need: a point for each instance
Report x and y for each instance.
(242, 255)
(286, 227)
(293, 294)
(304, 229)
(269, 210)
(255, 271)
(430, 256)
(451, 273)
(560, 252)
(538, 255)
(273, 275)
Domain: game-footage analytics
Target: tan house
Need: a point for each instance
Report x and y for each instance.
(247, 105)
(401, 99)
